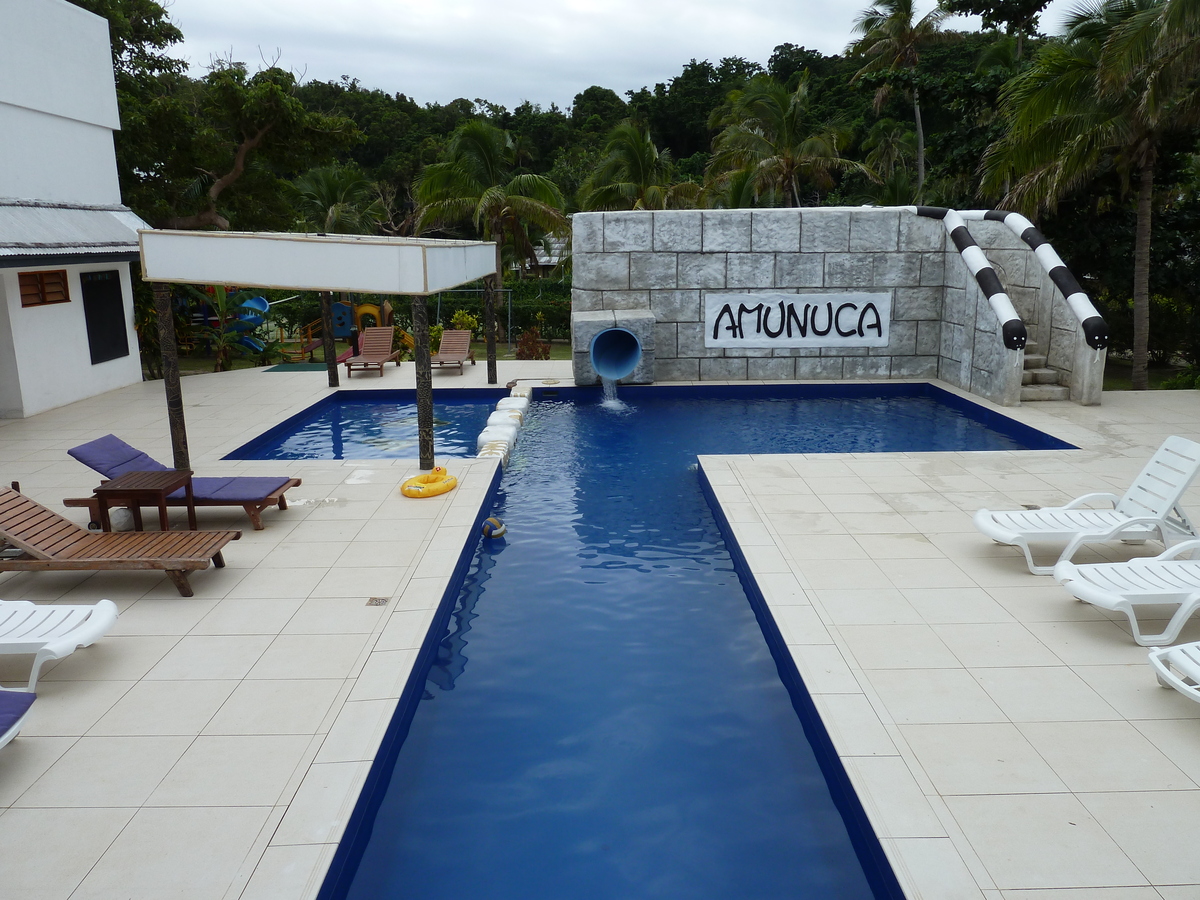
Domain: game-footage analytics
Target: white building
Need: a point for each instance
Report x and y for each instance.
(66, 303)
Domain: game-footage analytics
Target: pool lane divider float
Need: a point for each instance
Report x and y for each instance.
(499, 435)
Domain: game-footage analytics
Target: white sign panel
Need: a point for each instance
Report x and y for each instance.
(842, 319)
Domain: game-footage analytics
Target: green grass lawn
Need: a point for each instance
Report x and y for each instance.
(1117, 375)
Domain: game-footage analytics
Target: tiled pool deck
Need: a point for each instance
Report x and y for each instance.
(1007, 742)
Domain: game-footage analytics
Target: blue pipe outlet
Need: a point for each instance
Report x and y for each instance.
(615, 353)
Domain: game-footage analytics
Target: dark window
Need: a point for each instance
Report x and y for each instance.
(104, 310)
(41, 288)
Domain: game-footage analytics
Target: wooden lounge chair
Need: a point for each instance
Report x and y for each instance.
(112, 457)
(51, 543)
(374, 349)
(454, 350)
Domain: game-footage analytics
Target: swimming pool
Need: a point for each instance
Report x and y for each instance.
(375, 425)
(602, 716)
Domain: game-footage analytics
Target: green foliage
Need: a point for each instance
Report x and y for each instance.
(464, 321)
(677, 113)
(531, 346)
(1187, 380)
(1016, 16)
(634, 174)
(767, 133)
(336, 199)
(476, 184)
(435, 335)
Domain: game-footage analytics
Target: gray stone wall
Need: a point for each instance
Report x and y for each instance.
(627, 264)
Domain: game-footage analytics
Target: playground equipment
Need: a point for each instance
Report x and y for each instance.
(255, 310)
(347, 317)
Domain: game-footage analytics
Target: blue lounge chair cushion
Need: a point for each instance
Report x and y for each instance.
(13, 705)
(237, 489)
(112, 457)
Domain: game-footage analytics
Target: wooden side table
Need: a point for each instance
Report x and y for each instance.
(138, 489)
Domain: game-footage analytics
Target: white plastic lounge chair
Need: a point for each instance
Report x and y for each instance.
(51, 631)
(1149, 509)
(1122, 587)
(1179, 668)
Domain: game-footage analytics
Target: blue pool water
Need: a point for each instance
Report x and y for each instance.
(375, 424)
(603, 717)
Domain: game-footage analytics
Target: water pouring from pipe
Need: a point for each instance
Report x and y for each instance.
(615, 353)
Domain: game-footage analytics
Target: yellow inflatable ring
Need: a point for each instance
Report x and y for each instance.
(439, 481)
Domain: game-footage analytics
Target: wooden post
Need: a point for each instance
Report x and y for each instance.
(491, 286)
(327, 344)
(420, 321)
(170, 364)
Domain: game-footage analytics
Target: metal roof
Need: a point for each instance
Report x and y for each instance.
(38, 228)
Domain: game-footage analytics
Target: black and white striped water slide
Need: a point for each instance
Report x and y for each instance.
(1015, 336)
(1095, 329)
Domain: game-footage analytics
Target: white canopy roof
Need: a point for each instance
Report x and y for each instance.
(314, 262)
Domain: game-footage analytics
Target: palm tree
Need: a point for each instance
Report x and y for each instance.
(890, 146)
(337, 200)
(1072, 116)
(892, 40)
(766, 131)
(475, 185)
(634, 174)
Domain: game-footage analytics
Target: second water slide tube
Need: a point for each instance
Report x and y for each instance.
(1095, 329)
(1015, 336)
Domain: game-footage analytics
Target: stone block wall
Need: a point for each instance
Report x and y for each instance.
(627, 264)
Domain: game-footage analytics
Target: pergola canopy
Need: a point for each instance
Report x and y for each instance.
(314, 262)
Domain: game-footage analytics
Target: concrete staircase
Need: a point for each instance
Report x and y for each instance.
(1038, 382)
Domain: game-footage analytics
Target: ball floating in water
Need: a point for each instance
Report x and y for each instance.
(493, 527)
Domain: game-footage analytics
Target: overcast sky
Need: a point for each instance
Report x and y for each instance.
(506, 52)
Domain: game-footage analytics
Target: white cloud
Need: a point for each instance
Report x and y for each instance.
(505, 52)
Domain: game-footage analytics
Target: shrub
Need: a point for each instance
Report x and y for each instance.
(531, 346)
(464, 321)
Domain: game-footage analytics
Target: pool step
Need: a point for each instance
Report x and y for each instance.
(1036, 392)
(1039, 376)
(1039, 381)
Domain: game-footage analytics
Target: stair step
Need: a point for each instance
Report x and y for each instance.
(1036, 392)
(1039, 376)
(1034, 360)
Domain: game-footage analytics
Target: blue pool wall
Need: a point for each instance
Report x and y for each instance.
(358, 828)
(1031, 438)
(871, 855)
(878, 871)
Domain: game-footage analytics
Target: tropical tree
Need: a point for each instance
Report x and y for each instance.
(247, 126)
(890, 146)
(1072, 117)
(1019, 17)
(892, 40)
(766, 130)
(475, 186)
(337, 199)
(634, 174)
